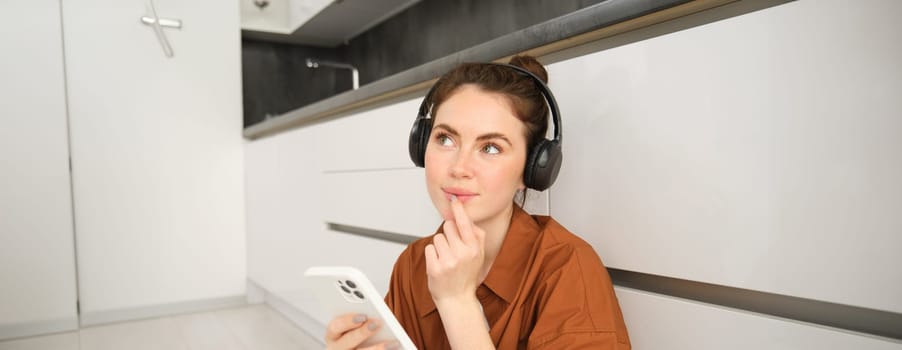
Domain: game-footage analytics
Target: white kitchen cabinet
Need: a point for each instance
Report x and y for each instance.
(287, 233)
(157, 157)
(760, 152)
(372, 139)
(367, 173)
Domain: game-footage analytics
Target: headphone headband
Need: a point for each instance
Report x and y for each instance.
(426, 105)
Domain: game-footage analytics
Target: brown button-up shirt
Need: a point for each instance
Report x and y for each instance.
(547, 289)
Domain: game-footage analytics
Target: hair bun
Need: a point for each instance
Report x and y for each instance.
(531, 64)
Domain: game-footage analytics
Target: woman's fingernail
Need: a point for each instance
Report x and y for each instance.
(373, 326)
(393, 345)
(453, 197)
(359, 318)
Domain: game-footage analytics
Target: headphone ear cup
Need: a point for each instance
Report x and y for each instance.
(419, 138)
(543, 165)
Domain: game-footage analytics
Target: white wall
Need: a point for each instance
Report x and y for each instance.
(759, 152)
(157, 156)
(37, 263)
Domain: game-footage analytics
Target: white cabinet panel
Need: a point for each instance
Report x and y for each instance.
(761, 151)
(661, 322)
(373, 257)
(287, 233)
(279, 221)
(390, 200)
(373, 139)
(157, 153)
(37, 253)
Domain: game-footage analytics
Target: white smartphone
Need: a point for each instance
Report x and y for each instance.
(345, 290)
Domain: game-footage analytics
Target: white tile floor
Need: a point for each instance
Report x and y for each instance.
(246, 328)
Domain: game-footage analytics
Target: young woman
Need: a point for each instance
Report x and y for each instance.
(493, 276)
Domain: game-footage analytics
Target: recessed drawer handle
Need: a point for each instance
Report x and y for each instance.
(164, 22)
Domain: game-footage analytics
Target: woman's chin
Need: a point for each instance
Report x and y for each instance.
(446, 213)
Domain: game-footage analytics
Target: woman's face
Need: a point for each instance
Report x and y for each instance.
(476, 151)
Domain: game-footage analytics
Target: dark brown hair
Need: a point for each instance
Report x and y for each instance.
(521, 91)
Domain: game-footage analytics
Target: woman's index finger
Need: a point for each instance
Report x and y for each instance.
(462, 221)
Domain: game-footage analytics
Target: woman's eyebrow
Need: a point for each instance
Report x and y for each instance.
(494, 135)
(483, 137)
(447, 128)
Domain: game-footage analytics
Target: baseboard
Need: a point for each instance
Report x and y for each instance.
(103, 317)
(255, 293)
(21, 330)
(300, 318)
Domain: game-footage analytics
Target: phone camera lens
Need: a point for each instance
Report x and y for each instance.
(345, 289)
(358, 294)
(351, 284)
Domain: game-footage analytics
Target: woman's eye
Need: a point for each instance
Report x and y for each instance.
(444, 140)
(491, 149)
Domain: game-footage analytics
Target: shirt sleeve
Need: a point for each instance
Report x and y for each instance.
(577, 308)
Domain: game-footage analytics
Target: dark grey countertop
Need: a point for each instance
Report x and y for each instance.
(417, 79)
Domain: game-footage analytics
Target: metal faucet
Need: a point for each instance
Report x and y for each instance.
(315, 63)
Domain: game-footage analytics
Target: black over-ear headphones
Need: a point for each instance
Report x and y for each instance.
(544, 159)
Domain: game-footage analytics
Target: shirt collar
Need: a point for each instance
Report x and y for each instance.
(511, 263)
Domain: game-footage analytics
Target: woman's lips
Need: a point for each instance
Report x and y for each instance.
(462, 195)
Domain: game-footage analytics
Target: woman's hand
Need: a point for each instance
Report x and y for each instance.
(454, 265)
(454, 259)
(349, 331)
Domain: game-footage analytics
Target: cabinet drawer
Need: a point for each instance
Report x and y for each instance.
(661, 322)
(388, 200)
(374, 139)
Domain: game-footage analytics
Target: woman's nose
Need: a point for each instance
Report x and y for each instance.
(460, 168)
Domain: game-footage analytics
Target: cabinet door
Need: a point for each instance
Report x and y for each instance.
(37, 263)
(157, 155)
